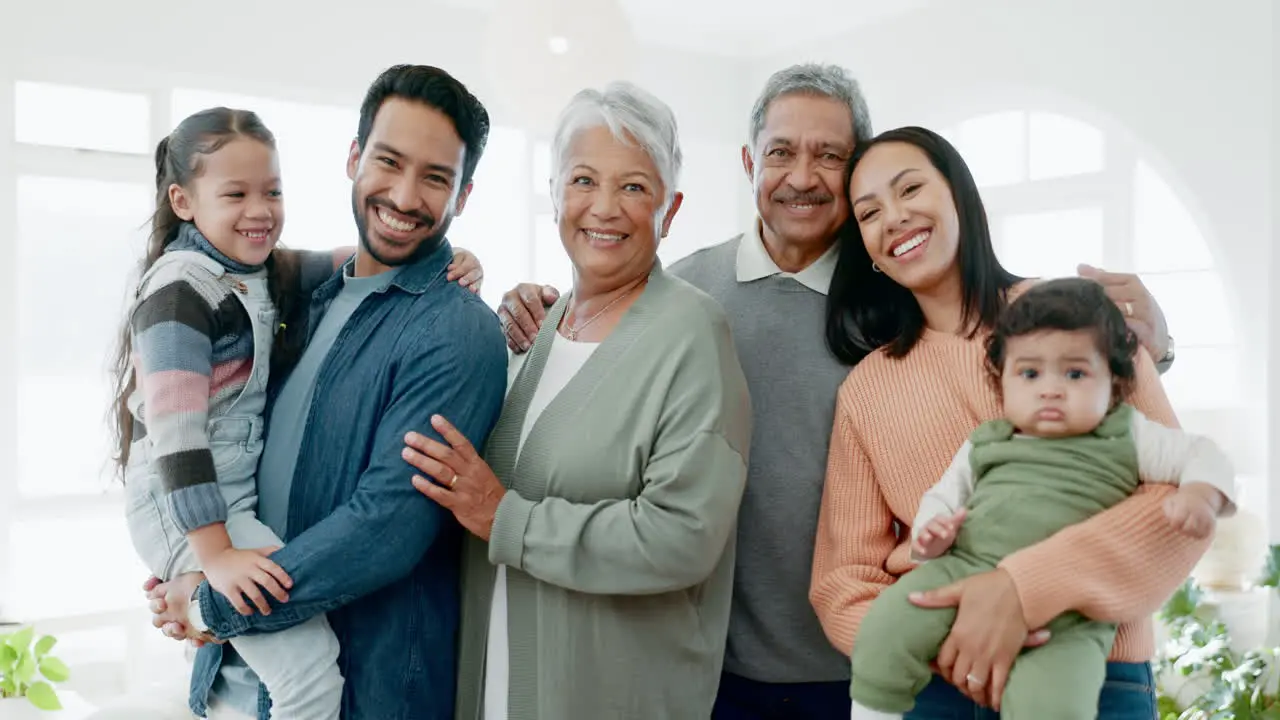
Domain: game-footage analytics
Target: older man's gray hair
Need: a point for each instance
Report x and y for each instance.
(633, 115)
(830, 81)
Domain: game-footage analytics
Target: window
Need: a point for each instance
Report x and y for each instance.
(541, 177)
(711, 181)
(994, 146)
(1051, 244)
(75, 261)
(1165, 237)
(1178, 268)
(75, 245)
(495, 222)
(73, 279)
(551, 265)
(95, 566)
(1060, 146)
(314, 142)
(1007, 148)
(81, 118)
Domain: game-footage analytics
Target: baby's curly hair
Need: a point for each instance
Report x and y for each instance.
(1067, 304)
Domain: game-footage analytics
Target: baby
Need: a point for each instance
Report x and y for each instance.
(1069, 447)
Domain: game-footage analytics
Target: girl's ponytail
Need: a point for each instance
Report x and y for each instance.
(162, 160)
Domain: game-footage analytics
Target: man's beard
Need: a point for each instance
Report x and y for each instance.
(425, 247)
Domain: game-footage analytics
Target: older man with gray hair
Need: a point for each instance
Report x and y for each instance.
(772, 282)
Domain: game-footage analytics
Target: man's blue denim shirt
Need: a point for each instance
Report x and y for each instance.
(363, 545)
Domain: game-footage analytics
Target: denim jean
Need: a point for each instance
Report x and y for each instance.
(740, 698)
(299, 666)
(1127, 694)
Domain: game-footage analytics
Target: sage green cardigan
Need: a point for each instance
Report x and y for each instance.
(618, 530)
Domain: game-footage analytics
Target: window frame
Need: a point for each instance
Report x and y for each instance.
(50, 161)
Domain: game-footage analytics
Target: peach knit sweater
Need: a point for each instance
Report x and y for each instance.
(898, 424)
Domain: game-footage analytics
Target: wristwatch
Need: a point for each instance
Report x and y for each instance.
(195, 621)
(1166, 361)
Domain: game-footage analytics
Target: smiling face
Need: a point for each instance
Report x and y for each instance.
(234, 200)
(1055, 383)
(407, 182)
(797, 169)
(907, 216)
(609, 208)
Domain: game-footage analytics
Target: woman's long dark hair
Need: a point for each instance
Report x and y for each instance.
(178, 162)
(866, 310)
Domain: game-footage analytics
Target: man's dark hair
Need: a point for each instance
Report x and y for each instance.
(1068, 304)
(437, 89)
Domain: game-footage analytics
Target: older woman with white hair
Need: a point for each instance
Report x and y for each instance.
(599, 572)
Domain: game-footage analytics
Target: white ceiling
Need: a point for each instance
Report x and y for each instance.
(738, 28)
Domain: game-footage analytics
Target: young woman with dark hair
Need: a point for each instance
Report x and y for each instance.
(917, 290)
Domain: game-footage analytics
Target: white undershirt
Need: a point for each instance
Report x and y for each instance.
(564, 361)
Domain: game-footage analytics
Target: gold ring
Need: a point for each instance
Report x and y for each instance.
(1128, 308)
(974, 680)
(453, 481)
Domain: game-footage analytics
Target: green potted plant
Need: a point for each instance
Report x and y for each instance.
(1202, 677)
(28, 673)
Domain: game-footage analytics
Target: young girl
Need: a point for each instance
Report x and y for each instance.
(1068, 447)
(196, 354)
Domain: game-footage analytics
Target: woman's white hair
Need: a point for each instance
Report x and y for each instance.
(633, 115)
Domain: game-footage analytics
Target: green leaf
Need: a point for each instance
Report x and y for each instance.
(1183, 604)
(45, 644)
(26, 669)
(21, 639)
(8, 687)
(54, 669)
(41, 695)
(1242, 706)
(8, 658)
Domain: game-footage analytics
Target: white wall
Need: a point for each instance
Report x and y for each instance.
(1192, 85)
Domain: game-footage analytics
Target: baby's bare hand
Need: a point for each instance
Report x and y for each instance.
(938, 535)
(1191, 514)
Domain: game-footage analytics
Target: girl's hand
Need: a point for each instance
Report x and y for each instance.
(240, 573)
(466, 269)
(938, 536)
